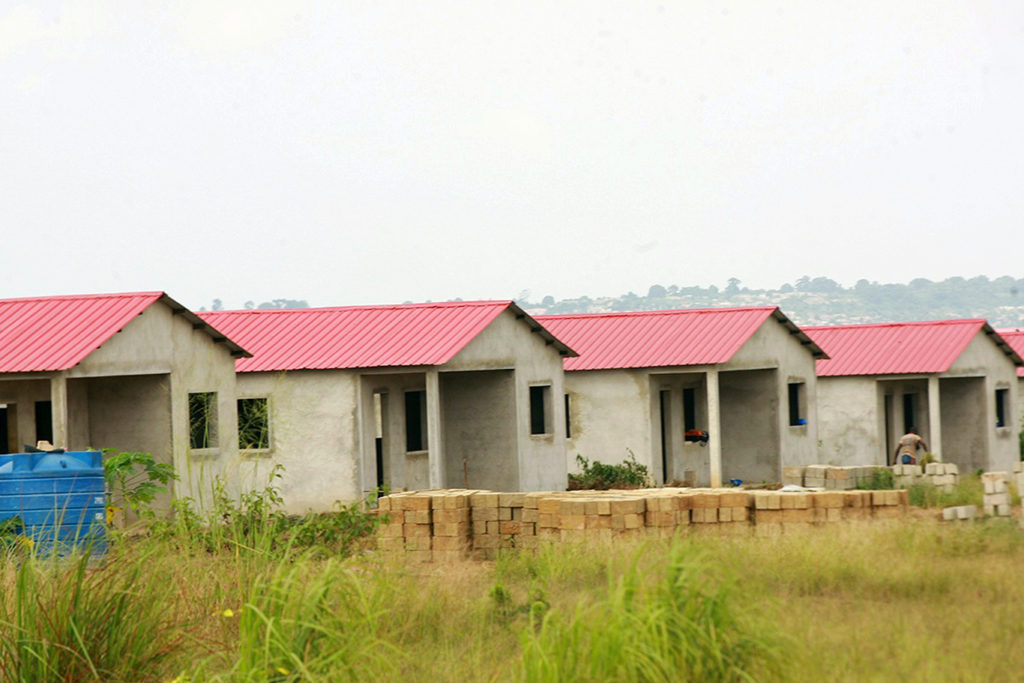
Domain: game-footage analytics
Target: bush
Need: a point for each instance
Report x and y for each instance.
(599, 476)
(881, 479)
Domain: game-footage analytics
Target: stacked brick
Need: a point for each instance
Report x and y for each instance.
(502, 520)
(942, 475)
(449, 525)
(828, 477)
(997, 494)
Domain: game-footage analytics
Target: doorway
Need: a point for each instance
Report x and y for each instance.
(665, 402)
(379, 420)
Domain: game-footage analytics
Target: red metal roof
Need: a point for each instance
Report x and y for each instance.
(1015, 338)
(898, 348)
(52, 333)
(361, 336)
(648, 339)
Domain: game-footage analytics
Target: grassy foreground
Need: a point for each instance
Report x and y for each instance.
(918, 601)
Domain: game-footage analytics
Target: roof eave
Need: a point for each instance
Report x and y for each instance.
(200, 324)
(816, 351)
(536, 327)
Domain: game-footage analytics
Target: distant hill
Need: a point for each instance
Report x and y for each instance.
(821, 301)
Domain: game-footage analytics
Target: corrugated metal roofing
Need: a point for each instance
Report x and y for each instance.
(52, 333)
(361, 336)
(898, 348)
(1015, 338)
(648, 339)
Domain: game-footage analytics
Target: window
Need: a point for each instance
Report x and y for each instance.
(253, 424)
(202, 419)
(689, 409)
(540, 404)
(416, 420)
(1001, 395)
(568, 422)
(797, 401)
(44, 421)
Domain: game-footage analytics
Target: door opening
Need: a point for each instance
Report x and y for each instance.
(379, 404)
(664, 400)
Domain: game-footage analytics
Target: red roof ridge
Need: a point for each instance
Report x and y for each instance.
(114, 295)
(661, 311)
(953, 321)
(367, 307)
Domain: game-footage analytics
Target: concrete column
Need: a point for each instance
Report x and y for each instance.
(934, 419)
(714, 428)
(435, 452)
(59, 406)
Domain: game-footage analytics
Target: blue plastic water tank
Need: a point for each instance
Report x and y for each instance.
(59, 497)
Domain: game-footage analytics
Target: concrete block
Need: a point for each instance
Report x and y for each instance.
(1003, 510)
(997, 498)
(572, 522)
(511, 500)
(419, 502)
(704, 501)
(951, 513)
(451, 529)
(952, 468)
(451, 516)
(484, 500)
(795, 501)
(598, 522)
(572, 506)
(990, 510)
(549, 506)
(768, 517)
(450, 543)
(725, 514)
(797, 515)
(392, 530)
(504, 514)
(545, 521)
(732, 499)
(417, 542)
(484, 514)
(390, 543)
(967, 512)
(627, 506)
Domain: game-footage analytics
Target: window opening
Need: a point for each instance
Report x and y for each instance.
(539, 406)
(44, 421)
(1001, 407)
(202, 419)
(416, 420)
(253, 424)
(796, 404)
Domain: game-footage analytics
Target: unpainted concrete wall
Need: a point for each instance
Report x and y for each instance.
(750, 426)
(510, 343)
(479, 410)
(984, 357)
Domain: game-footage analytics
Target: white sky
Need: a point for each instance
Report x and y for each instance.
(370, 152)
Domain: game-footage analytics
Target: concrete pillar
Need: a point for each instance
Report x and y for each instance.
(934, 419)
(59, 406)
(714, 429)
(435, 452)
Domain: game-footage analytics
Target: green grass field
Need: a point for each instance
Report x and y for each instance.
(906, 602)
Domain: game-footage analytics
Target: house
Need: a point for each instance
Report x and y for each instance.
(954, 380)
(1015, 338)
(134, 372)
(355, 399)
(653, 384)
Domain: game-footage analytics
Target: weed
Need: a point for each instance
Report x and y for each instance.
(596, 475)
(881, 479)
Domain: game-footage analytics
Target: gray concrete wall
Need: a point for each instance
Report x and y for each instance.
(983, 357)
(313, 436)
(849, 419)
(774, 346)
(509, 343)
(403, 470)
(610, 413)
(963, 407)
(479, 411)
(750, 426)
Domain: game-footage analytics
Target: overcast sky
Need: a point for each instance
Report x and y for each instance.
(375, 152)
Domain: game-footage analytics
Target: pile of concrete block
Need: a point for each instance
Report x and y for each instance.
(942, 475)
(454, 524)
(905, 476)
(997, 494)
(828, 477)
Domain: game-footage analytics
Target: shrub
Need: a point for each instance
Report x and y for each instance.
(596, 475)
(137, 478)
(881, 479)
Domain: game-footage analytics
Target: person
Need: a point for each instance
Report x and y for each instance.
(906, 449)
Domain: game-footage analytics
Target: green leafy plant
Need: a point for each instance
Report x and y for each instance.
(597, 475)
(881, 479)
(137, 478)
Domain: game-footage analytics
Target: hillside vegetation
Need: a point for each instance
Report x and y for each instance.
(822, 301)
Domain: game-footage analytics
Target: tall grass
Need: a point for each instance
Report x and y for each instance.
(67, 621)
(686, 623)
